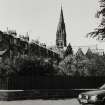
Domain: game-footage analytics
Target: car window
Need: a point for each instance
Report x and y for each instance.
(102, 87)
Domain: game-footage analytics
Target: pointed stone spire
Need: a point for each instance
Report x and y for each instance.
(61, 16)
(61, 20)
(61, 32)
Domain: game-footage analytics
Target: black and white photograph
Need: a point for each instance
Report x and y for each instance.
(52, 52)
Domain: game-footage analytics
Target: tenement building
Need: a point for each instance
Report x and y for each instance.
(13, 46)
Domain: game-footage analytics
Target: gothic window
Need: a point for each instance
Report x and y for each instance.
(58, 36)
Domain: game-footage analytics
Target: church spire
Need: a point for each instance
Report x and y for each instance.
(61, 16)
(61, 32)
(61, 19)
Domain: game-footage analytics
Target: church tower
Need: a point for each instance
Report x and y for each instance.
(61, 32)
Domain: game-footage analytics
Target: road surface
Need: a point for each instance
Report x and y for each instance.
(41, 102)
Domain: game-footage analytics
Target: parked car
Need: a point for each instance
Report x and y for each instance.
(95, 97)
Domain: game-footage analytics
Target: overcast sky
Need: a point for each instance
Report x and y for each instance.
(40, 18)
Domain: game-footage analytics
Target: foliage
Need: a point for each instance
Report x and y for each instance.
(74, 65)
(67, 66)
(99, 32)
(6, 70)
(35, 66)
(97, 65)
(28, 66)
(83, 65)
(80, 64)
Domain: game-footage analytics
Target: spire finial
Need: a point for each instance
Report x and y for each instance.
(61, 15)
(61, 5)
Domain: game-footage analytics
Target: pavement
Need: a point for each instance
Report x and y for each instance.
(41, 102)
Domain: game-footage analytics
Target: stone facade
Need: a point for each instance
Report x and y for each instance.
(12, 46)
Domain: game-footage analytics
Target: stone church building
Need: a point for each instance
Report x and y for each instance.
(61, 42)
